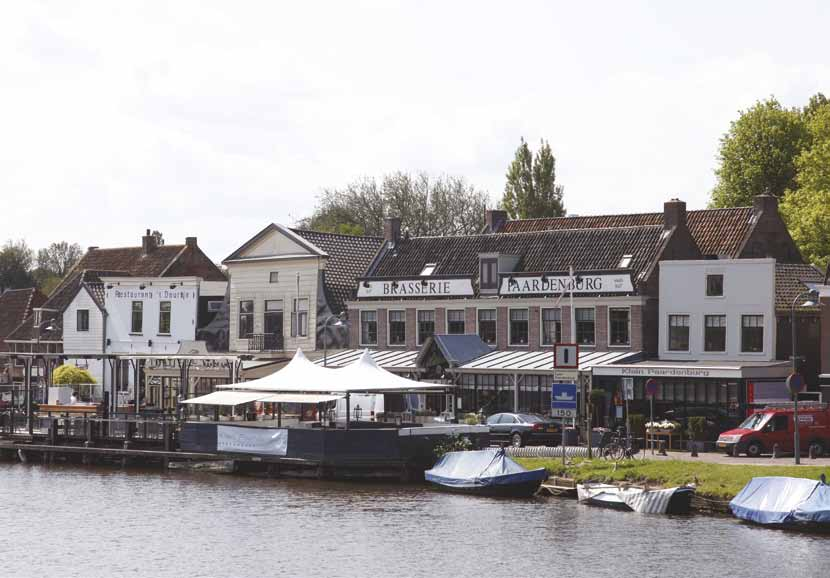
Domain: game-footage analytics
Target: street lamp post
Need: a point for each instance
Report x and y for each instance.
(30, 418)
(812, 299)
(338, 323)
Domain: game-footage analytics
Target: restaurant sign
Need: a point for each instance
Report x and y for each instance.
(544, 284)
(415, 288)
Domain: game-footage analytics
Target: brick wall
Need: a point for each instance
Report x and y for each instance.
(470, 321)
(501, 328)
(411, 328)
(601, 327)
(354, 329)
(535, 327)
(440, 320)
(383, 338)
(637, 327)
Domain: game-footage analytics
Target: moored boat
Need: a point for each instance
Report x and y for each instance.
(631, 498)
(784, 502)
(488, 472)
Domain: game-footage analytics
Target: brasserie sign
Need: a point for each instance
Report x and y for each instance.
(415, 288)
(556, 285)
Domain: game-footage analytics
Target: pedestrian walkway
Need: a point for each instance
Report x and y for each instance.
(721, 458)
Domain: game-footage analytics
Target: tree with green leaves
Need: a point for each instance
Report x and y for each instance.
(426, 205)
(59, 258)
(16, 260)
(531, 190)
(758, 154)
(807, 208)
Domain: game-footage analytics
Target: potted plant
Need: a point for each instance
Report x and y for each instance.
(697, 425)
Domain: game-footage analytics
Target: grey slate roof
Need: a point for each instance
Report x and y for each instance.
(349, 257)
(597, 249)
(456, 349)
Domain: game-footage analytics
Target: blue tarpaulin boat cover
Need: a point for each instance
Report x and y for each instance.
(781, 500)
(480, 468)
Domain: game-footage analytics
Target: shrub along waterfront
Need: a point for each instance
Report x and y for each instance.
(716, 481)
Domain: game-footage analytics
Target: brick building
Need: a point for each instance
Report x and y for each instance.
(523, 285)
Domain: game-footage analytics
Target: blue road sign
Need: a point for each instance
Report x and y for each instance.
(563, 400)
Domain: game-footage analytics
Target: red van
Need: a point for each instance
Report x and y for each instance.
(774, 425)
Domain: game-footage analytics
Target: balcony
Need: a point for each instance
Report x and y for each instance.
(262, 342)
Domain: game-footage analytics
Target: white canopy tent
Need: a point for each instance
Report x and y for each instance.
(361, 376)
(302, 377)
(242, 397)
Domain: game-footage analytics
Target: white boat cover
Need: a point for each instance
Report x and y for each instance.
(640, 500)
(783, 500)
(303, 376)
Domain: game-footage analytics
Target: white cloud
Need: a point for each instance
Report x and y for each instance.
(213, 119)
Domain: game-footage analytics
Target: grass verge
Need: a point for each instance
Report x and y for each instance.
(717, 481)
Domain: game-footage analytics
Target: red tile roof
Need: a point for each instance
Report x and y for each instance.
(15, 306)
(789, 283)
(163, 261)
(716, 231)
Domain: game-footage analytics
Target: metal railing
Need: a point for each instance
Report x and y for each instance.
(265, 342)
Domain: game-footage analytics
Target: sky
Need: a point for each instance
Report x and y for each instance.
(213, 119)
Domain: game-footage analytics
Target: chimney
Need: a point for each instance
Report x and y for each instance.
(190, 242)
(392, 230)
(765, 203)
(674, 214)
(148, 243)
(91, 248)
(494, 219)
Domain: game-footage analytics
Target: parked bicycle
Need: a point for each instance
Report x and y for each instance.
(619, 447)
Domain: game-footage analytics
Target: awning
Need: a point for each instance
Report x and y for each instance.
(700, 369)
(226, 398)
(540, 362)
(389, 359)
(298, 398)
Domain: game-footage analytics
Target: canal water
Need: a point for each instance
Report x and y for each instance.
(69, 521)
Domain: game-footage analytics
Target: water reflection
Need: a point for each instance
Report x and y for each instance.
(71, 521)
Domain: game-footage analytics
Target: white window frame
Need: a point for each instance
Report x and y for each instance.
(418, 341)
(360, 329)
(389, 328)
(608, 315)
(542, 325)
(478, 324)
(576, 331)
(668, 333)
(510, 327)
(741, 334)
(725, 349)
(447, 320)
(170, 319)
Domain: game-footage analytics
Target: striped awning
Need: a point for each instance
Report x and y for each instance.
(392, 360)
(540, 362)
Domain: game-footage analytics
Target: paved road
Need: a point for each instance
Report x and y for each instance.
(720, 458)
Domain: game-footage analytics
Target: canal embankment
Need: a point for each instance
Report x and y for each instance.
(715, 482)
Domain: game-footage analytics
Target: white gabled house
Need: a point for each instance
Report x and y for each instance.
(286, 284)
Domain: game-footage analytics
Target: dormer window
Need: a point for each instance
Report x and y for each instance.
(488, 273)
(428, 269)
(625, 262)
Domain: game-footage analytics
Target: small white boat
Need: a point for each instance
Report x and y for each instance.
(632, 498)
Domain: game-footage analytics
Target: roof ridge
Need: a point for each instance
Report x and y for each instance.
(138, 247)
(586, 230)
(606, 215)
(298, 231)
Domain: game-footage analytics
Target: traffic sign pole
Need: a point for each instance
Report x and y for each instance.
(795, 383)
(651, 391)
